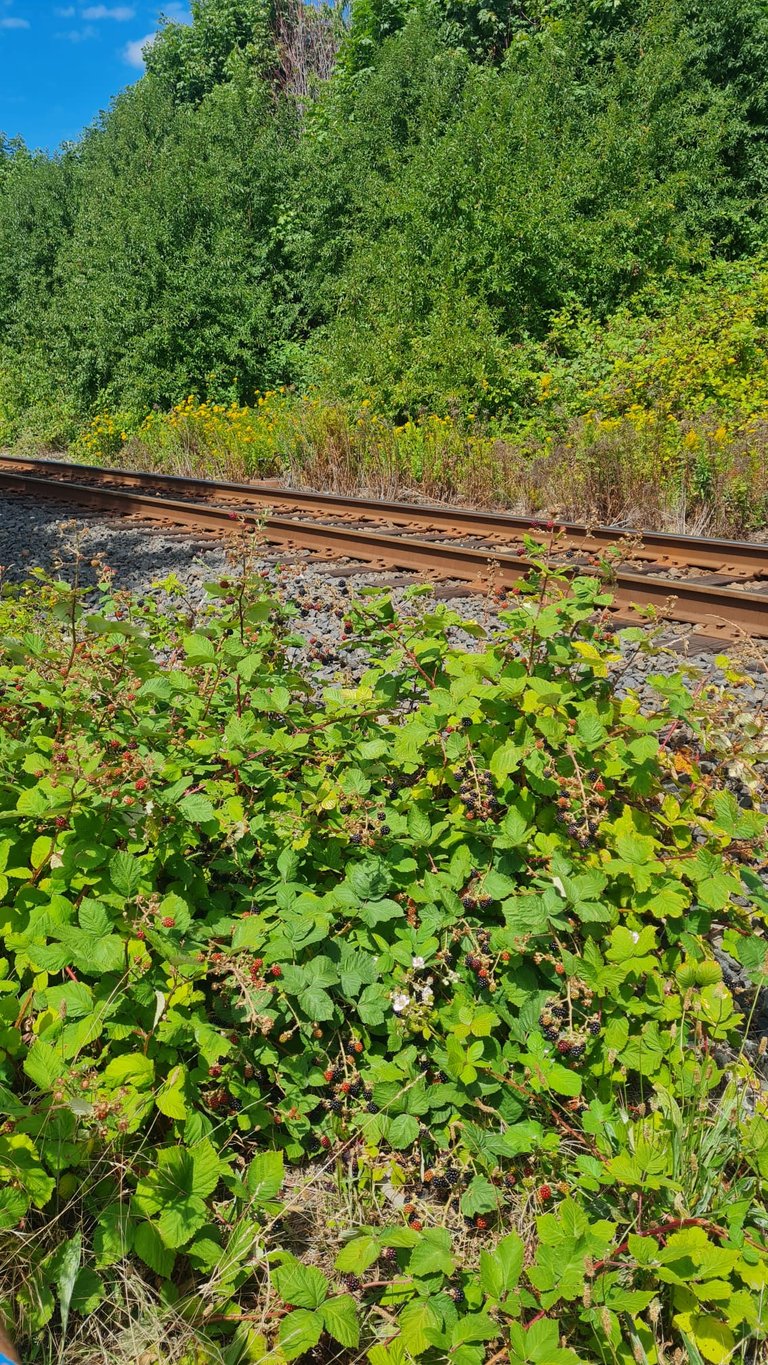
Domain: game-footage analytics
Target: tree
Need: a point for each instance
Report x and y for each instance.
(190, 59)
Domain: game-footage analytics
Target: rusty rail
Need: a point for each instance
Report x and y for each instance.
(743, 558)
(726, 610)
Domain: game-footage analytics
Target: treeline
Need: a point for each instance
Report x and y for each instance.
(393, 203)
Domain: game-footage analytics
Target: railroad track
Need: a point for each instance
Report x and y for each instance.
(717, 586)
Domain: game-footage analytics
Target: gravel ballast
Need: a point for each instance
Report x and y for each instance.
(34, 534)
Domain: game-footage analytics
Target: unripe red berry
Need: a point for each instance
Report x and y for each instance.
(545, 1192)
(168, 921)
(275, 970)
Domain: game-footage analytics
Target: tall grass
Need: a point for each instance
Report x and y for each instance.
(644, 468)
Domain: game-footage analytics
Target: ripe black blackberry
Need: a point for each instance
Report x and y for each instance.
(560, 1010)
(356, 1087)
(353, 1283)
(468, 902)
(458, 1294)
(367, 1093)
(335, 1106)
(372, 1108)
(578, 1050)
(388, 1254)
(441, 1184)
(593, 1027)
(452, 1175)
(551, 1033)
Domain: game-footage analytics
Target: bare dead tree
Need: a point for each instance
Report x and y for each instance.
(307, 39)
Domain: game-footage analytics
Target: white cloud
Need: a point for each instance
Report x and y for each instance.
(133, 53)
(122, 13)
(78, 35)
(12, 22)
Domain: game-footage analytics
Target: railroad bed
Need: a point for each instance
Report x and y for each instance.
(718, 587)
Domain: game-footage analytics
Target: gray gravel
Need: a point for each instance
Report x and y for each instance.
(42, 534)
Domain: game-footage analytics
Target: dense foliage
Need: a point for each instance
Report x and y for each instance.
(400, 226)
(383, 1015)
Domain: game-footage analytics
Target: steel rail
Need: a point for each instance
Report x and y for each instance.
(718, 555)
(695, 604)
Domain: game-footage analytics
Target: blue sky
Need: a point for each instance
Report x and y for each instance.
(61, 63)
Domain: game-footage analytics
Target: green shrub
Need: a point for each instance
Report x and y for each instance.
(424, 960)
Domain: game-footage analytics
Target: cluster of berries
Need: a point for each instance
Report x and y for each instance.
(570, 1042)
(481, 963)
(435, 1182)
(412, 1215)
(319, 651)
(220, 1099)
(347, 1086)
(471, 902)
(315, 605)
(431, 1072)
(477, 795)
(465, 723)
(411, 908)
(481, 967)
(402, 782)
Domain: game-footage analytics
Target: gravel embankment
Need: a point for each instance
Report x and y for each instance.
(40, 534)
